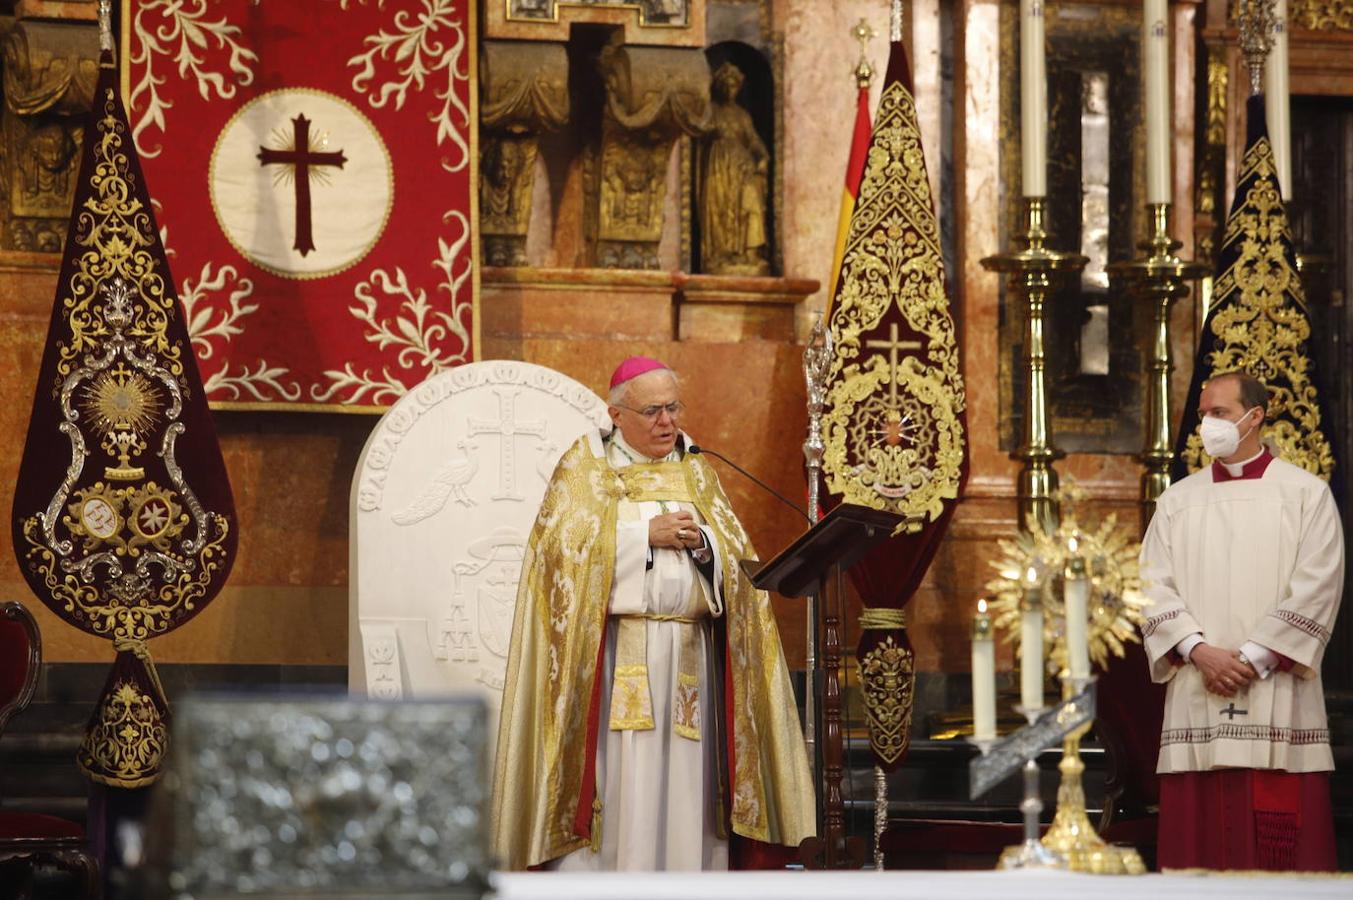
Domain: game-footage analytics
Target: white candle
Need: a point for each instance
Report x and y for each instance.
(1031, 644)
(1278, 100)
(1156, 98)
(983, 676)
(1033, 99)
(1077, 606)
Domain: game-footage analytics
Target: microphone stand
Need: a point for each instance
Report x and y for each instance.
(697, 449)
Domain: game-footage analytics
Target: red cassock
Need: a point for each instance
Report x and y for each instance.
(1246, 819)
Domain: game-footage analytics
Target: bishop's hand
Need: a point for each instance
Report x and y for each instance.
(674, 531)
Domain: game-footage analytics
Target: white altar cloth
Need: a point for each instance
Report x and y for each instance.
(906, 885)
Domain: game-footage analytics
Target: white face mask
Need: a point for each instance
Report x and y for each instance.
(1222, 437)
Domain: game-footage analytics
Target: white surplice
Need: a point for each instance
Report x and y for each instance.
(1241, 560)
(657, 787)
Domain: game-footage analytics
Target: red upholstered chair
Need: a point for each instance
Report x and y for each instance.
(32, 841)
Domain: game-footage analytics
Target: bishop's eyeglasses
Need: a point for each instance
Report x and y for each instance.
(651, 412)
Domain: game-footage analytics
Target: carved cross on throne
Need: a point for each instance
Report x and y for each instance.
(301, 158)
(507, 429)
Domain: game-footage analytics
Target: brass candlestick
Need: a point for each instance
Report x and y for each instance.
(1071, 836)
(1158, 280)
(1031, 272)
(1103, 558)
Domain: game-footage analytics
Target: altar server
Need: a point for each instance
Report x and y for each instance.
(1244, 561)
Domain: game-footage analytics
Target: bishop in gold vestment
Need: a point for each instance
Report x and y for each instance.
(647, 715)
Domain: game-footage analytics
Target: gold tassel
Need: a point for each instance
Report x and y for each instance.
(596, 824)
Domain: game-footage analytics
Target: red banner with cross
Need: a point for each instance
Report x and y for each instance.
(312, 165)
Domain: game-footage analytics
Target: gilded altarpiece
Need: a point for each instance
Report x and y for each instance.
(1094, 203)
(524, 91)
(49, 73)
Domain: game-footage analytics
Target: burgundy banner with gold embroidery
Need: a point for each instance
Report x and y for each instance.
(1259, 322)
(894, 431)
(123, 519)
(313, 163)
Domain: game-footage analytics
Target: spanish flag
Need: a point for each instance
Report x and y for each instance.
(859, 152)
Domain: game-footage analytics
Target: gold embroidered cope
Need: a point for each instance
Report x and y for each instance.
(552, 664)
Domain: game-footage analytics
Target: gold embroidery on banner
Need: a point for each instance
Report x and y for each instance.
(146, 553)
(892, 433)
(1322, 15)
(686, 716)
(121, 406)
(1260, 322)
(126, 746)
(888, 676)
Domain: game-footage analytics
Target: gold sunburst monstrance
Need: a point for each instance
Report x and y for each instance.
(1110, 556)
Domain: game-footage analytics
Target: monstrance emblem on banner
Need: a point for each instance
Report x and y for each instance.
(894, 436)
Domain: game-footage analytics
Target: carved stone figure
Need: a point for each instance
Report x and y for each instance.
(525, 92)
(733, 185)
(654, 95)
(49, 74)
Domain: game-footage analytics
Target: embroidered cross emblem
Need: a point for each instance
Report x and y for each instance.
(1232, 712)
(301, 159)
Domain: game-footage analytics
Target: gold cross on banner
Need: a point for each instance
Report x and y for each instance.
(892, 345)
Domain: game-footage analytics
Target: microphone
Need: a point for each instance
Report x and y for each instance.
(695, 448)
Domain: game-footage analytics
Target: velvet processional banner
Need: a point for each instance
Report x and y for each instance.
(313, 164)
(123, 520)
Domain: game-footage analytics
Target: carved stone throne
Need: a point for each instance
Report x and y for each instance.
(446, 491)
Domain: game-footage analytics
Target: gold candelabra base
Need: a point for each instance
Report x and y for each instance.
(1071, 836)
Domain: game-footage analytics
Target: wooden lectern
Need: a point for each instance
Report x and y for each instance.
(802, 569)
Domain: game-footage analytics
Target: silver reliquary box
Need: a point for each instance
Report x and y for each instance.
(330, 797)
